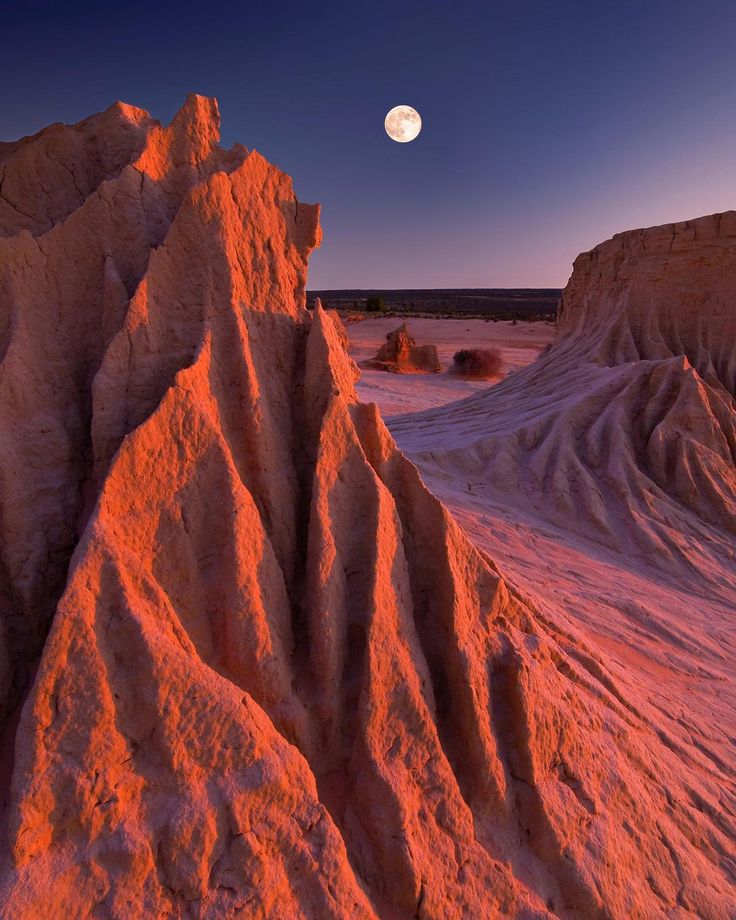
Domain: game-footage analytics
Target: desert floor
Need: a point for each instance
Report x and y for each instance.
(395, 394)
(645, 620)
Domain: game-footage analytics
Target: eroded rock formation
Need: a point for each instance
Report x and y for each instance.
(251, 666)
(625, 430)
(400, 354)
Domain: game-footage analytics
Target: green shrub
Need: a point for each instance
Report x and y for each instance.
(375, 305)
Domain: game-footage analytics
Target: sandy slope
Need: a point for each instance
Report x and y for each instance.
(671, 636)
(602, 479)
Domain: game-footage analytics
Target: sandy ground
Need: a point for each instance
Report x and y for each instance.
(671, 644)
(673, 654)
(398, 393)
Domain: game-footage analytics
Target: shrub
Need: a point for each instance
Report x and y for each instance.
(375, 305)
(477, 362)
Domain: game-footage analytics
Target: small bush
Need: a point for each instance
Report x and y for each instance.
(375, 305)
(477, 362)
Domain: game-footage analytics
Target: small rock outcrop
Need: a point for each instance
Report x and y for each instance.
(401, 355)
(250, 666)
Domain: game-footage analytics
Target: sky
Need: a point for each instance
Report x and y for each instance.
(547, 126)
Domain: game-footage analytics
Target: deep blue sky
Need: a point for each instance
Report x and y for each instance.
(548, 126)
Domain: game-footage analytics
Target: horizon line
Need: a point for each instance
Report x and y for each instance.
(373, 289)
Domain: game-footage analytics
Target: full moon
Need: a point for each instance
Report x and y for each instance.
(403, 123)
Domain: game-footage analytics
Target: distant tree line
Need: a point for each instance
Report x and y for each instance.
(375, 305)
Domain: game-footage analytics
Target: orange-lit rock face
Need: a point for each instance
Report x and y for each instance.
(275, 678)
(402, 355)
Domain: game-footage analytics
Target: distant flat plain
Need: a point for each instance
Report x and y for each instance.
(499, 303)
